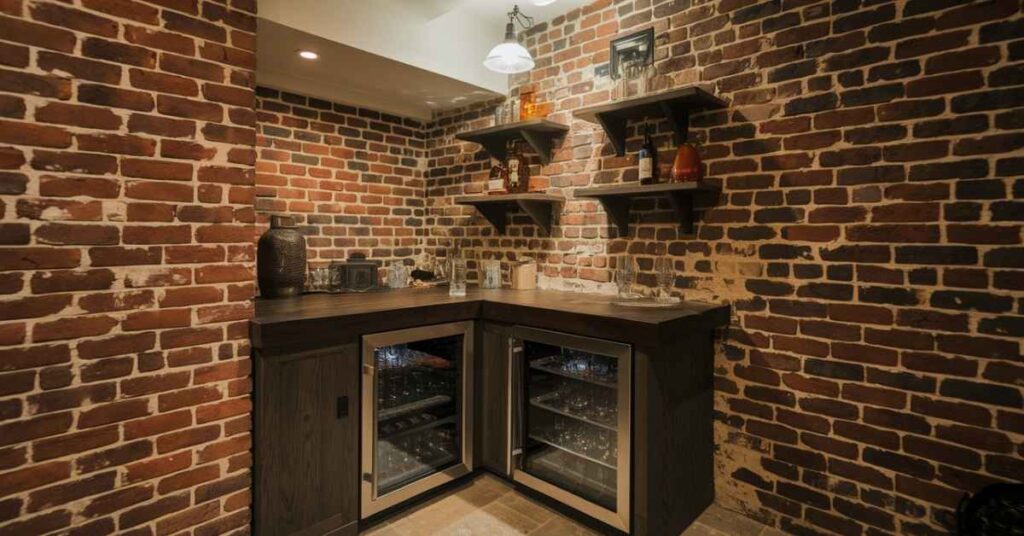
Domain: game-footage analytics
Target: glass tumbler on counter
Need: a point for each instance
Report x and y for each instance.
(625, 276)
(457, 277)
(665, 272)
(490, 274)
(398, 275)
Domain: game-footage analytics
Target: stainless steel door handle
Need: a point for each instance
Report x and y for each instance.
(515, 356)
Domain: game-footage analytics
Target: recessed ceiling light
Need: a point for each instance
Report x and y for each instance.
(543, 2)
(308, 55)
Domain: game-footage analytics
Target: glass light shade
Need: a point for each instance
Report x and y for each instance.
(509, 57)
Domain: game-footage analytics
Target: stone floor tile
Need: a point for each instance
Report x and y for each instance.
(528, 507)
(563, 526)
(729, 522)
(489, 506)
(481, 522)
(384, 529)
(699, 529)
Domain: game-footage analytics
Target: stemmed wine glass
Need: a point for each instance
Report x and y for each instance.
(625, 275)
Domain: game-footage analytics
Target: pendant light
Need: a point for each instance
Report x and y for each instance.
(510, 57)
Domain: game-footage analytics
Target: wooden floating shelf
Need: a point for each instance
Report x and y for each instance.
(674, 105)
(539, 207)
(616, 199)
(540, 134)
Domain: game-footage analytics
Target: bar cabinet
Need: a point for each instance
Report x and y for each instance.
(367, 403)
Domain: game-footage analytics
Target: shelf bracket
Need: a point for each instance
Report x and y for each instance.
(540, 144)
(539, 212)
(497, 215)
(497, 150)
(682, 205)
(678, 118)
(616, 129)
(617, 209)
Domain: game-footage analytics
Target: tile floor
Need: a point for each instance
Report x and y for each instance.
(490, 506)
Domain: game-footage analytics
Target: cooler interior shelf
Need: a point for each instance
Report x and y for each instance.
(539, 207)
(573, 451)
(546, 366)
(419, 405)
(616, 200)
(540, 134)
(674, 105)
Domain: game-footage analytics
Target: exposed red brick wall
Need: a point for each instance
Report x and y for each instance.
(868, 235)
(352, 178)
(126, 265)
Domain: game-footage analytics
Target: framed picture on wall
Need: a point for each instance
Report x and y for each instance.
(636, 48)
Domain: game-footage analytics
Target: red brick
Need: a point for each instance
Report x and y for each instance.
(39, 427)
(75, 327)
(39, 35)
(129, 9)
(157, 424)
(33, 134)
(187, 438)
(34, 476)
(156, 467)
(118, 500)
(114, 412)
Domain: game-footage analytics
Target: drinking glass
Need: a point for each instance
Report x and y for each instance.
(578, 401)
(398, 275)
(625, 276)
(441, 265)
(457, 282)
(666, 274)
(491, 274)
(499, 114)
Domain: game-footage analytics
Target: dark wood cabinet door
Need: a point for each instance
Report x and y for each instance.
(307, 443)
(492, 399)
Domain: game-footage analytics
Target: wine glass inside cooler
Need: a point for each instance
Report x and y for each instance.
(417, 410)
(571, 424)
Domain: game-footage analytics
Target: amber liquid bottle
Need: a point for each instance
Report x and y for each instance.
(686, 167)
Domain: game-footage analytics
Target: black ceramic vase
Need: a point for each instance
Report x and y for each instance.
(281, 260)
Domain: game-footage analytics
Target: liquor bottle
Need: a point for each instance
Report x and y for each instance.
(496, 181)
(648, 159)
(518, 172)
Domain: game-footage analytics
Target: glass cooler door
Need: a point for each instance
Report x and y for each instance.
(570, 433)
(416, 422)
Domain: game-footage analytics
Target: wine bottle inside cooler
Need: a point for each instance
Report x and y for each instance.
(648, 158)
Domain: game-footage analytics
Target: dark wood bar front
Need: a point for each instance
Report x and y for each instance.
(309, 379)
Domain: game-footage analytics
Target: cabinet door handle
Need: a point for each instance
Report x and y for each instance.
(342, 407)
(368, 370)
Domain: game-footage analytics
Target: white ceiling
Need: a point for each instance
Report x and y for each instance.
(408, 57)
(351, 76)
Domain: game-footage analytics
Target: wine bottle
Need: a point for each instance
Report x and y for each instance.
(648, 158)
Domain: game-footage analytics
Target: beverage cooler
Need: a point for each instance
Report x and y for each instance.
(417, 412)
(569, 421)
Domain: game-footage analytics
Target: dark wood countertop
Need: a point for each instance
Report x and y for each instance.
(323, 318)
